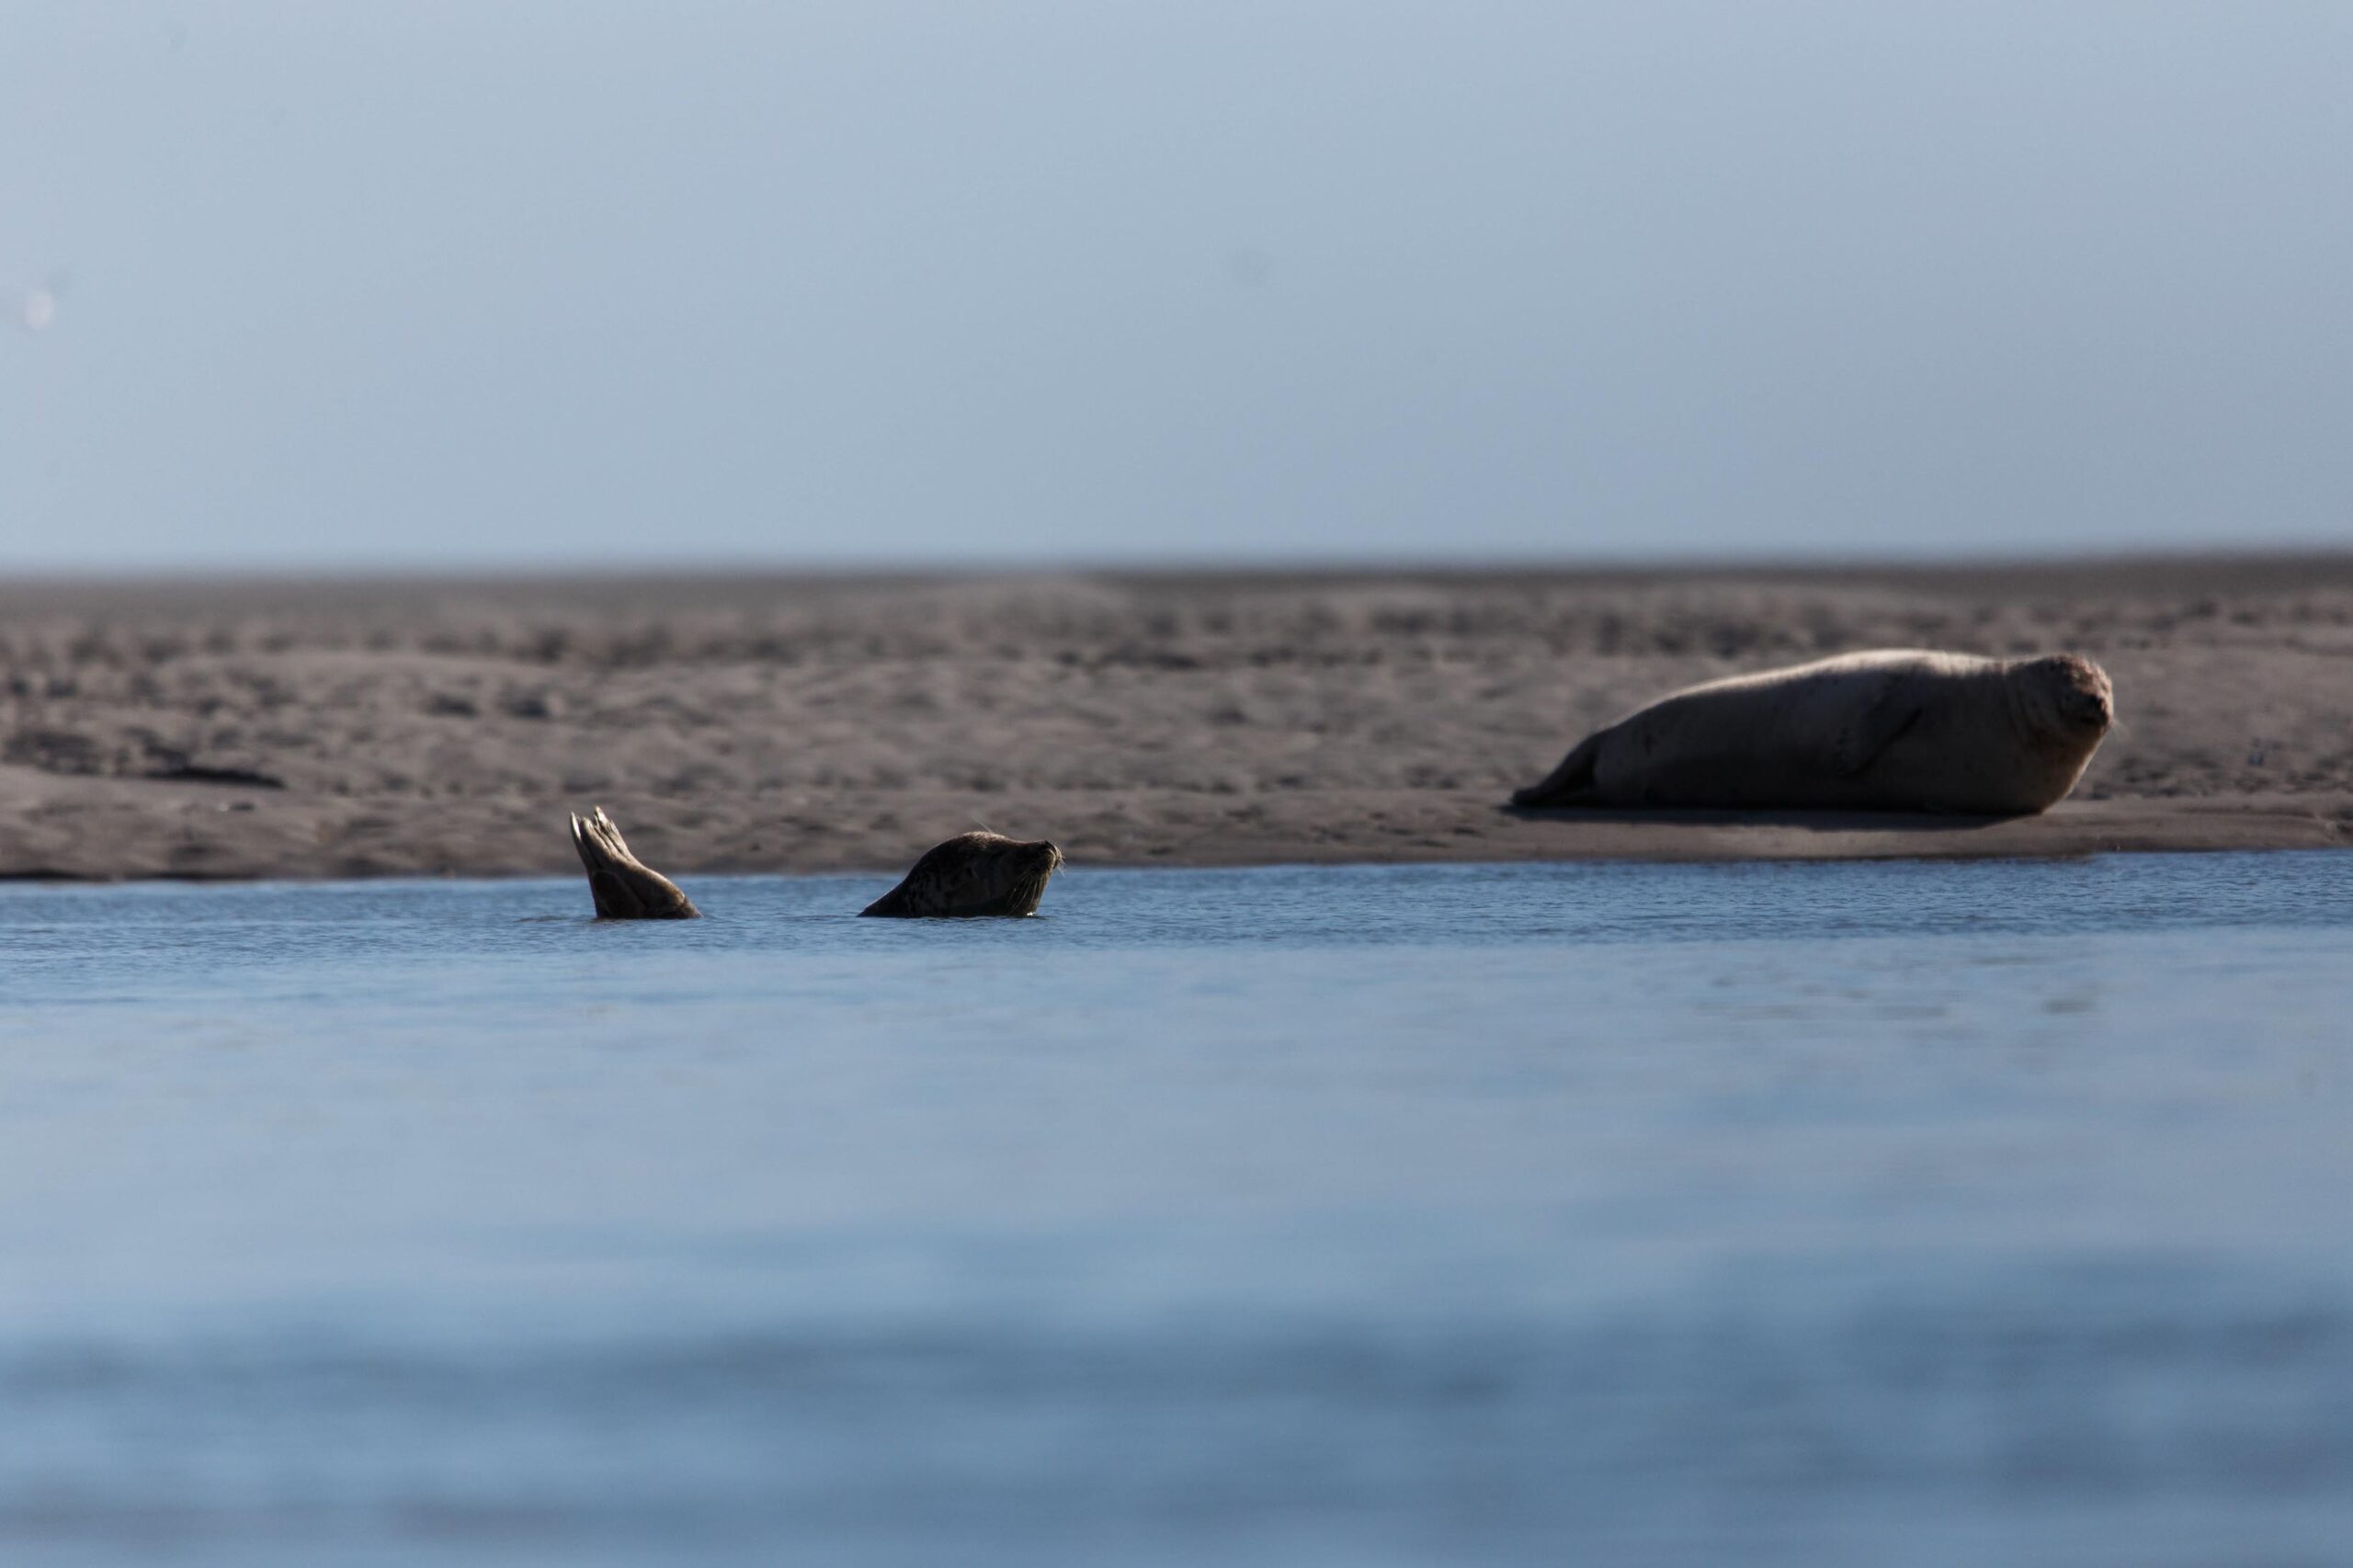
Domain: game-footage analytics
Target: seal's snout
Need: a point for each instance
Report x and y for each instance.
(1033, 868)
(2080, 695)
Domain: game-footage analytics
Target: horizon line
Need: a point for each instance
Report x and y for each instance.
(1676, 563)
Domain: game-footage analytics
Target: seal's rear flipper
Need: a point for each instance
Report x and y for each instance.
(624, 887)
(1566, 784)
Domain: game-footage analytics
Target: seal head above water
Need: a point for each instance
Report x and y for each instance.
(973, 873)
(624, 887)
(1895, 730)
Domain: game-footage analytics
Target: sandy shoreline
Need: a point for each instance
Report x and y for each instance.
(745, 724)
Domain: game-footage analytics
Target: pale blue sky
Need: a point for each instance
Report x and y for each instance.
(450, 282)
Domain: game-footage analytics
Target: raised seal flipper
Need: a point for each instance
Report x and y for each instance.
(1565, 784)
(624, 887)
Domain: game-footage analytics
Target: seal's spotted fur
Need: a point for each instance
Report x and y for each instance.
(973, 873)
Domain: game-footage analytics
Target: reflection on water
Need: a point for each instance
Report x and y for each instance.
(1812, 1214)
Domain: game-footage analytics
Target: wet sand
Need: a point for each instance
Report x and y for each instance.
(774, 723)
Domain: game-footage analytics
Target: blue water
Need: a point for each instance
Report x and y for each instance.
(1871, 1214)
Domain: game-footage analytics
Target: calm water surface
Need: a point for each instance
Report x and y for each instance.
(1872, 1214)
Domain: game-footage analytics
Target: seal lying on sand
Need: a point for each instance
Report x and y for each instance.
(1898, 729)
(973, 873)
(624, 887)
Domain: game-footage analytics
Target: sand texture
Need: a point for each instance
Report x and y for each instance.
(754, 724)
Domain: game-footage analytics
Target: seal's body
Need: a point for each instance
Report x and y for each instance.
(973, 873)
(1897, 730)
(624, 887)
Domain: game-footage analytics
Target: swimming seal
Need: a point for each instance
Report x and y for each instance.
(973, 873)
(624, 887)
(1895, 730)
